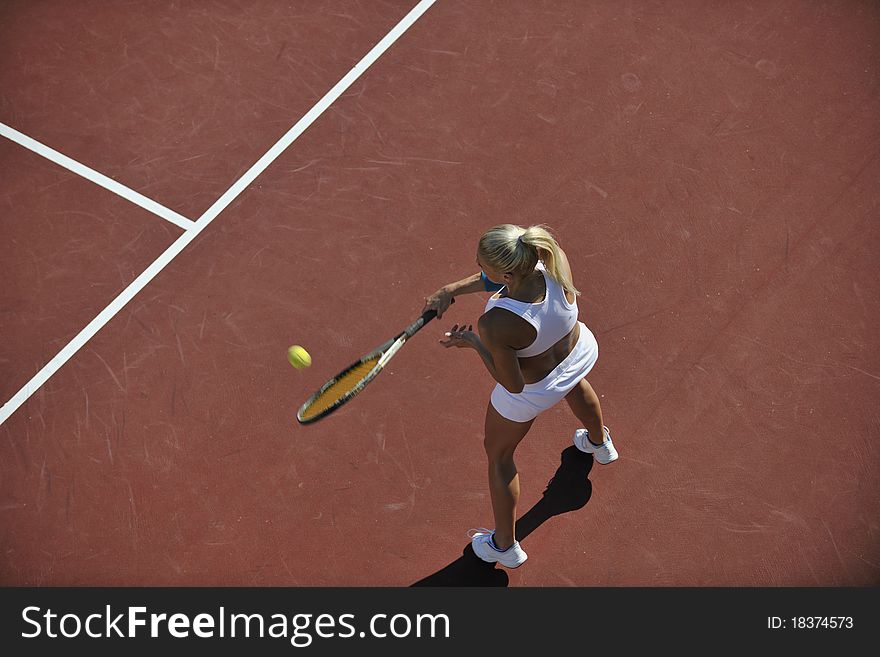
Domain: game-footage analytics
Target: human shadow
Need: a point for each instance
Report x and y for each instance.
(568, 490)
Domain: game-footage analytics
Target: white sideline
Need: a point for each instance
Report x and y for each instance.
(190, 234)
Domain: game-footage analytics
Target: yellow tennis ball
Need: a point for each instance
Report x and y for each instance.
(298, 357)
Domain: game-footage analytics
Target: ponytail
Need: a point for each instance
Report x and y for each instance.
(512, 248)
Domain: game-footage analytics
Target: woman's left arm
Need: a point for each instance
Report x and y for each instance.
(494, 347)
(499, 359)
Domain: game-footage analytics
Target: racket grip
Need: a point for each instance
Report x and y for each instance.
(426, 317)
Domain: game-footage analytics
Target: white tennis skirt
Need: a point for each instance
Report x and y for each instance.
(536, 397)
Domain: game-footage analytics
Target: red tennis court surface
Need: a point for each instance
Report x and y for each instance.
(710, 168)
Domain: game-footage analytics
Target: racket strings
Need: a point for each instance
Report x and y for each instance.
(339, 388)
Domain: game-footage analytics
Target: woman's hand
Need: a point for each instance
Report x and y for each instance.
(460, 336)
(439, 301)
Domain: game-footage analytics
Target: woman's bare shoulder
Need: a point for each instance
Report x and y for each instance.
(503, 327)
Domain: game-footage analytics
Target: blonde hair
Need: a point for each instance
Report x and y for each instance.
(511, 248)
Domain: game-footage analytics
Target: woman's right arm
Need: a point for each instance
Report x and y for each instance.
(442, 298)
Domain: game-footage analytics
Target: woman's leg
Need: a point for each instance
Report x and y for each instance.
(584, 403)
(502, 437)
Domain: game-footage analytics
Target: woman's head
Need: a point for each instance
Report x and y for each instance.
(501, 249)
(511, 249)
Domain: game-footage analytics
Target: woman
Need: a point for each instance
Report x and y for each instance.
(533, 345)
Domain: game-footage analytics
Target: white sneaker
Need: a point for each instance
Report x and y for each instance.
(484, 547)
(604, 453)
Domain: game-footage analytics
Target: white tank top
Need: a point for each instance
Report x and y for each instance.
(553, 318)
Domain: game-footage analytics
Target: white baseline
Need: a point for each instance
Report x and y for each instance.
(97, 178)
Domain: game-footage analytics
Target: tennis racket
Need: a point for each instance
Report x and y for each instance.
(354, 378)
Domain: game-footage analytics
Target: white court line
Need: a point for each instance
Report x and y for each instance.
(210, 214)
(97, 178)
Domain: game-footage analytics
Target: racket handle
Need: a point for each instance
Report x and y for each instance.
(426, 317)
